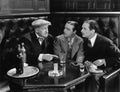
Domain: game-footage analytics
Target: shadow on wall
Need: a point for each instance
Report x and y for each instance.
(109, 28)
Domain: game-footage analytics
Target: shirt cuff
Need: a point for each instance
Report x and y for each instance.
(40, 57)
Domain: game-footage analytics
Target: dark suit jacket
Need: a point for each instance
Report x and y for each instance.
(33, 47)
(103, 49)
(61, 47)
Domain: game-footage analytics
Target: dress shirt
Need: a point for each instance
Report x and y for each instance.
(69, 51)
(70, 42)
(92, 40)
(40, 41)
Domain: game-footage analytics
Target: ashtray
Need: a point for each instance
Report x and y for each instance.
(54, 73)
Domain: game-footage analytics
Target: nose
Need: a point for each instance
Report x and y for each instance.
(81, 30)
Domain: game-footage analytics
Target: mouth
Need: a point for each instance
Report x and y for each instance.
(46, 34)
(82, 33)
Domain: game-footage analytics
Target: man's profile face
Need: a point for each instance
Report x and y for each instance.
(42, 31)
(86, 32)
(68, 30)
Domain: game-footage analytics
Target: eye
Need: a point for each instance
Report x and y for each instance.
(84, 28)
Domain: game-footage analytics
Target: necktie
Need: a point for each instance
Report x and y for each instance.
(70, 42)
(69, 52)
(89, 43)
(40, 39)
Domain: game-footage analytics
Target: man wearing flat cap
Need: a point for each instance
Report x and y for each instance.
(39, 44)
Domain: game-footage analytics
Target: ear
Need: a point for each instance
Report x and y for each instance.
(75, 31)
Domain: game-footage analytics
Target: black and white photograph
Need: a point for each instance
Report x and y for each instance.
(59, 45)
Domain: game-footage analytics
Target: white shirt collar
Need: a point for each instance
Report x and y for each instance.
(40, 41)
(92, 40)
(37, 35)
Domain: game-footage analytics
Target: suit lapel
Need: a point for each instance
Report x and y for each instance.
(45, 43)
(35, 41)
(75, 46)
(64, 44)
(97, 41)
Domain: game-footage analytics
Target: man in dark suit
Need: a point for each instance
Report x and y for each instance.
(100, 52)
(39, 44)
(69, 46)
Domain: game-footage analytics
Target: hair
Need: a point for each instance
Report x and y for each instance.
(74, 23)
(92, 25)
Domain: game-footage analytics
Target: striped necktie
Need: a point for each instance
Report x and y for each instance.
(40, 39)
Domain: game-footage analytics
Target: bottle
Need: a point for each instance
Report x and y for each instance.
(19, 69)
(23, 53)
(21, 59)
(19, 64)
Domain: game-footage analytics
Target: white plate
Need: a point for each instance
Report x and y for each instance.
(28, 71)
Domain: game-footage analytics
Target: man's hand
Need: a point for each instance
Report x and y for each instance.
(40, 65)
(80, 59)
(48, 57)
(99, 62)
(90, 65)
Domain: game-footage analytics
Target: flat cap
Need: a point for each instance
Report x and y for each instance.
(40, 22)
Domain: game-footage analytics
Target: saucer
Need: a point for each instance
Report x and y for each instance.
(28, 72)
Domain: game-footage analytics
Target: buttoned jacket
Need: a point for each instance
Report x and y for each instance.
(61, 47)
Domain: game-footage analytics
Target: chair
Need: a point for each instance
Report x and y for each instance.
(111, 81)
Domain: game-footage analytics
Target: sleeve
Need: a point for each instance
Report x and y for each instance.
(32, 57)
(58, 49)
(40, 57)
(80, 55)
(113, 54)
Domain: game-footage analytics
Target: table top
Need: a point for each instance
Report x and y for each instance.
(72, 76)
(28, 72)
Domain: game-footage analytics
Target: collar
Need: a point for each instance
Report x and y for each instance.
(92, 40)
(38, 36)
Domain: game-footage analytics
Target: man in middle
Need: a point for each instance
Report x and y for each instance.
(69, 46)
